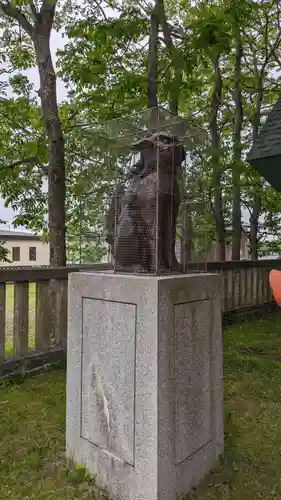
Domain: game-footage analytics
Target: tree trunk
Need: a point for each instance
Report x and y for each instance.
(40, 33)
(254, 224)
(176, 65)
(215, 144)
(256, 210)
(236, 168)
(152, 60)
(56, 152)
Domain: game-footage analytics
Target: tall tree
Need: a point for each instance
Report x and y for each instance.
(105, 65)
(263, 40)
(37, 24)
(216, 96)
(213, 42)
(237, 148)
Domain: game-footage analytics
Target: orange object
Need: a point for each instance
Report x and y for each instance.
(275, 284)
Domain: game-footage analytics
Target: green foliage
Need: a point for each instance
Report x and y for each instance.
(200, 33)
(104, 66)
(23, 156)
(4, 253)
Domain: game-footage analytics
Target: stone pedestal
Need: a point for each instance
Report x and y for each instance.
(144, 381)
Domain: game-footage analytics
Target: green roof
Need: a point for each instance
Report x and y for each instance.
(265, 154)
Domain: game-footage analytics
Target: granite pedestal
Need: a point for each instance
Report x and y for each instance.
(144, 381)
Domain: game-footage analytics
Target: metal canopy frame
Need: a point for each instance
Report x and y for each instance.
(119, 133)
(114, 138)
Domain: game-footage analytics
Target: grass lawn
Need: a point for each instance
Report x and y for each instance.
(32, 416)
(10, 317)
(252, 374)
(32, 466)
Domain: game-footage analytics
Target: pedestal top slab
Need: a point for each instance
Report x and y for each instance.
(143, 276)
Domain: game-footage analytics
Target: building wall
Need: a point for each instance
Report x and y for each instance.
(42, 252)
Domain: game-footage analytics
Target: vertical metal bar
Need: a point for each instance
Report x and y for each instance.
(171, 249)
(157, 200)
(115, 225)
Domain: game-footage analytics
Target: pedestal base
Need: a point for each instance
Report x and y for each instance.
(144, 381)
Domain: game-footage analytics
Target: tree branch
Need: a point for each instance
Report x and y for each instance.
(277, 60)
(99, 7)
(48, 6)
(266, 38)
(8, 10)
(31, 160)
(273, 48)
(33, 10)
(278, 14)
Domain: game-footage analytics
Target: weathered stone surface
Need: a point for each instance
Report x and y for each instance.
(192, 378)
(108, 390)
(144, 381)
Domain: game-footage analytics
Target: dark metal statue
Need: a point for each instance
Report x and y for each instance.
(141, 222)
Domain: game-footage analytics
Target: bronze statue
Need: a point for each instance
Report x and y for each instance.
(141, 222)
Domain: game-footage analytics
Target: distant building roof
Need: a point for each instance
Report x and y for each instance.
(268, 142)
(6, 234)
(267, 257)
(265, 154)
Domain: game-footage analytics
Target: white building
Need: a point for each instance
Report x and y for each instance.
(25, 249)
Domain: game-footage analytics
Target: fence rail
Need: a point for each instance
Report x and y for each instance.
(245, 284)
(33, 306)
(33, 315)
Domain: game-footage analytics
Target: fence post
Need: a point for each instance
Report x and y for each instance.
(2, 319)
(21, 307)
(43, 323)
(61, 313)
